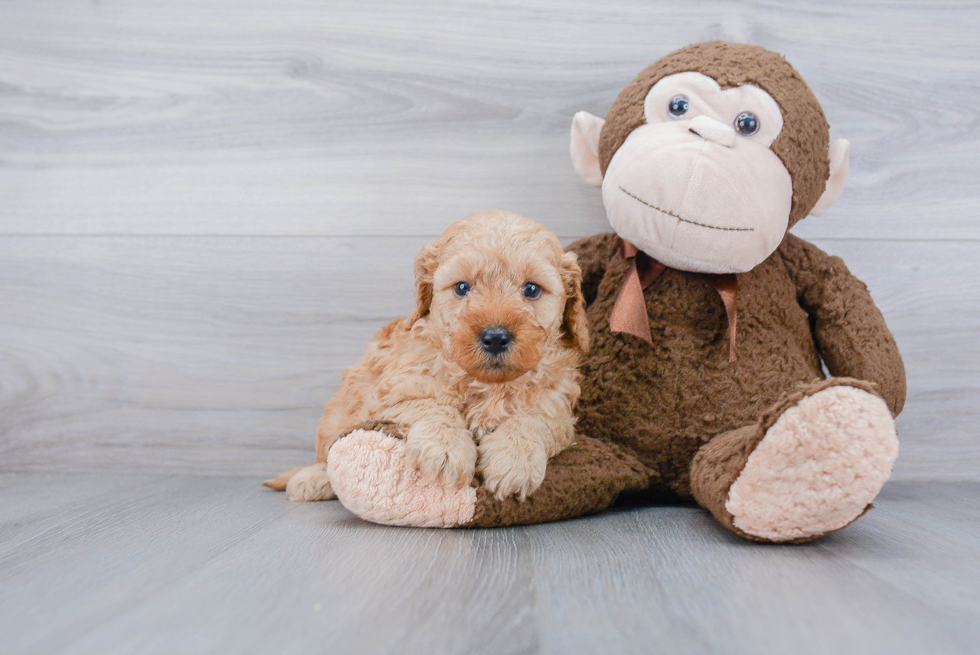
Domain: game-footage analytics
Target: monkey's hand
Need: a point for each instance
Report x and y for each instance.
(850, 331)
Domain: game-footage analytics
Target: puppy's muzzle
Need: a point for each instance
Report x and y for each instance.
(495, 340)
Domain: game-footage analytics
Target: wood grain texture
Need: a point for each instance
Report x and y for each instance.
(152, 564)
(207, 208)
(216, 355)
(352, 117)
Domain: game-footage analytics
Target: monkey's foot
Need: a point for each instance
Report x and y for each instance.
(818, 467)
(374, 478)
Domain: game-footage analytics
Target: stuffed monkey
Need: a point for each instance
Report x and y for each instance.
(711, 324)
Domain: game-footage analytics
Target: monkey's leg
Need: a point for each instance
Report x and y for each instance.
(585, 478)
(810, 466)
(373, 479)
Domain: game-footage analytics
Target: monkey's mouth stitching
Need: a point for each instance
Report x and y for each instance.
(681, 218)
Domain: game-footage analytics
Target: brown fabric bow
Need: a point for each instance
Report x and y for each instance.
(629, 313)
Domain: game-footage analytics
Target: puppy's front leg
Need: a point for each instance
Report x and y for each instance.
(442, 447)
(514, 457)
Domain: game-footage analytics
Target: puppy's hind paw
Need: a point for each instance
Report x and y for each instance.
(310, 483)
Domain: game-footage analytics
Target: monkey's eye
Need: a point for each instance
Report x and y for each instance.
(461, 289)
(678, 106)
(746, 124)
(531, 290)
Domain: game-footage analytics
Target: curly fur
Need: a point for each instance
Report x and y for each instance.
(466, 412)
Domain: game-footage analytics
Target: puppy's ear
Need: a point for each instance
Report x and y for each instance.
(575, 327)
(425, 268)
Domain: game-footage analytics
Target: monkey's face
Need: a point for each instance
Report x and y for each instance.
(709, 155)
(697, 186)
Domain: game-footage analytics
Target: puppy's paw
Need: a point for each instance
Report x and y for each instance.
(442, 453)
(511, 468)
(310, 483)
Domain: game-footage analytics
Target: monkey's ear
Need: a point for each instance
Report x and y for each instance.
(574, 325)
(840, 158)
(585, 146)
(425, 268)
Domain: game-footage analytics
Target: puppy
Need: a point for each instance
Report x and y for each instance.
(483, 374)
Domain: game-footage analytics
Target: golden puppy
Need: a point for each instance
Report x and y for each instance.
(483, 373)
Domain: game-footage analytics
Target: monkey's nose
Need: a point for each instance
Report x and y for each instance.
(711, 130)
(496, 340)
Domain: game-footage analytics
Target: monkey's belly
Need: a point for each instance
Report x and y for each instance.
(663, 401)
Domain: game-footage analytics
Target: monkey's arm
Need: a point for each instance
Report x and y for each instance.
(847, 325)
(593, 254)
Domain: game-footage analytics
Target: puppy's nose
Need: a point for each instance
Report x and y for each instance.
(496, 340)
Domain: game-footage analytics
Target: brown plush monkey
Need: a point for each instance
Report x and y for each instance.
(711, 324)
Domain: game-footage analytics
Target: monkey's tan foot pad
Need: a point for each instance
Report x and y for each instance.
(818, 467)
(373, 478)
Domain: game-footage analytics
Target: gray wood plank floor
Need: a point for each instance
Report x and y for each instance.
(196, 564)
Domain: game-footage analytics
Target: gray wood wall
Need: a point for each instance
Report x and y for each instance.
(206, 208)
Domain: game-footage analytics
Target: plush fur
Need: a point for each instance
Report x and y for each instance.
(818, 468)
(465, 411)
(676, 419)
(775, 449)
(666, 401)
(805, 128)
(377, 480)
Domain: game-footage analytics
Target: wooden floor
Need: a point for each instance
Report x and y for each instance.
(194, 564)
(206, 208)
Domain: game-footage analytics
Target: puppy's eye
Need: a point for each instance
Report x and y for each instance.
(678, 106)
(531, 291)
(747, 123)
(461, 288)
